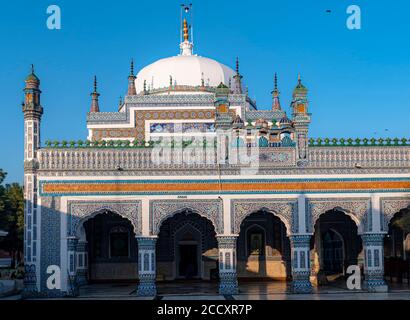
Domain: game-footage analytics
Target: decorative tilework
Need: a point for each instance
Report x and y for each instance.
(389, 207)
(286, 210)
(81, 211)
(224, 186)
(50, 241)
(359, 209)
(160, 210)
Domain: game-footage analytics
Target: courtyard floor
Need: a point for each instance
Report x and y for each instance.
(249, 290)
(274, 290)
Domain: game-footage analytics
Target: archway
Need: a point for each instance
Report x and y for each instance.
(336, 244)
(397, 248)
(263, 251)
(187, 251)
(112, 249)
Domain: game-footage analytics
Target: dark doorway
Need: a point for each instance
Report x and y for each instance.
(112, 249)
(332, 252)
(188, 260)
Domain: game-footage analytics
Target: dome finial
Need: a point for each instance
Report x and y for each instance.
(276, 81)
(186, 29)
(32, 68)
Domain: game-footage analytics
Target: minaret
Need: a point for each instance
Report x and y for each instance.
(131, 81)
(33, 111)
(237, 85)
(301, 121)
(32, 115)
(94, 98)
(275, 96)
(186, 46)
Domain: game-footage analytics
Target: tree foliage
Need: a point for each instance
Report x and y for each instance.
(12, 218)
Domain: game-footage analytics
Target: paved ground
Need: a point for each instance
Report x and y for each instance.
(196, 290)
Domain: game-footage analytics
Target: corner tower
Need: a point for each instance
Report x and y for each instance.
(301, 121)
(33, 111)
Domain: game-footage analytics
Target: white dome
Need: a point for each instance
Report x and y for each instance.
(185, 70)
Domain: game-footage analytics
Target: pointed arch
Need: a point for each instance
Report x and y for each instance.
(160, 210)
(285, 210)
(358, 209)
(81, 211)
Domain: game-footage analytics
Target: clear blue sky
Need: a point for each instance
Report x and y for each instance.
(358, 80)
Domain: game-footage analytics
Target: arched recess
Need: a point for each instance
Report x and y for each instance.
(397, 245)
(285, 210)
(263, 248)
(359, 210)
(160, 210)
(112, 248)
(336, 244)
(186, 247)
(81, 211)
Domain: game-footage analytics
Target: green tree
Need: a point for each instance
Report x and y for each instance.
(2, 176)
(12, 220)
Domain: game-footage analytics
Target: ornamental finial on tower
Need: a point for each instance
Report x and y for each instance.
(186, 31)
(275, 95)
(186, 44)
(237, 88)
(300, 89)
(32, 80)
(132, 91)
(94, 98)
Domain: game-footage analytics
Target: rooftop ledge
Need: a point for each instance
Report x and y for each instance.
(319, 142)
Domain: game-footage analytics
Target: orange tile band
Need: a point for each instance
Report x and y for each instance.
(166, 187)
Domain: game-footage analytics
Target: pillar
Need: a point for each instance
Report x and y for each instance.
(373, 244)
(300, 255)
(82, 263)
(72, 285)
(146, 266)
(228, 281)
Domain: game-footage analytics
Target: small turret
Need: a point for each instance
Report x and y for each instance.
(237, 85)
(132, 91)
(33, 111)
(275, 96)
(301, 121)
(94, 98)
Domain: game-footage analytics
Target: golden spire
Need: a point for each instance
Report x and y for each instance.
(185, 29)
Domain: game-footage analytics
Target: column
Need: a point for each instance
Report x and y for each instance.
(374, 262)
(228, 282)
(146, 266)
(72, 286)
(300, 256)
(82, 263)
